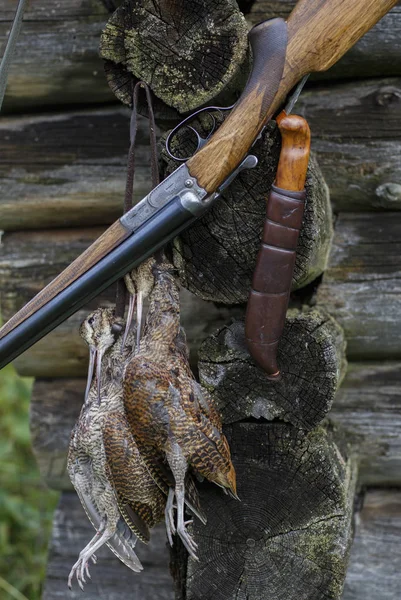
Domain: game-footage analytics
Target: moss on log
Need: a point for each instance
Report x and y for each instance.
(216, 256)
(188, 52)
(311, 357)
(372, 572)
(290, 535)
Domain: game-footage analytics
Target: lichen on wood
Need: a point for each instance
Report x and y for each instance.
(188, 52)
(311, 358)
(291, 529)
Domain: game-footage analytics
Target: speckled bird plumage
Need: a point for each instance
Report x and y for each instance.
(173, 419)
(104, 463)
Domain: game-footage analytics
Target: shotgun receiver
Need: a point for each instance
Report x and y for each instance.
(316, 35)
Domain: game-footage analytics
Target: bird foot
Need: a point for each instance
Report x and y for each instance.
(170, 525)
(80, 569)
(187, 539)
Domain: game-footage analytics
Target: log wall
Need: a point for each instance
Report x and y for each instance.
(63, 148)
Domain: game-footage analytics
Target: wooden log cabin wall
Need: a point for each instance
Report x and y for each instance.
(318, 456)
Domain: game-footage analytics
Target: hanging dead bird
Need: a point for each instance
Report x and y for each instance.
(115, 488)
(99, 330)
(172, 418)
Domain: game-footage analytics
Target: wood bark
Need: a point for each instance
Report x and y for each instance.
(188, 52)
(311, 358)
(372, 572)
(361, 286)
(216, 256)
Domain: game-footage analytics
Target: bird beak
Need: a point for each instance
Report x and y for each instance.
(92, 359)
(130, 314)
(139, 310)
(99, 373)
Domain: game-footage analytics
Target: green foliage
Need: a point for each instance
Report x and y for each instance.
(26, 505)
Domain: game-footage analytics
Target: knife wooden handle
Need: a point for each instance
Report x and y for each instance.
(271, 284)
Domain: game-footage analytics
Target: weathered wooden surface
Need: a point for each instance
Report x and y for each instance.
(367, 413)
(361, 286)
(377, 53)
(57, 58)
(290, 531)
(376, 551)
(56, 61)
(373, 568)
(356, 135)
(31, 259)
(111, 580)
(68, 169)
(190, 53)
(216, 256)
(311, 358)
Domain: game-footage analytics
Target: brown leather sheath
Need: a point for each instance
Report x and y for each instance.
(268, 299)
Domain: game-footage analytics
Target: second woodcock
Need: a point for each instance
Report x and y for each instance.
(173, 419)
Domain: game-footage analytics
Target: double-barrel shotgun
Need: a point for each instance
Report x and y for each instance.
(315, 36)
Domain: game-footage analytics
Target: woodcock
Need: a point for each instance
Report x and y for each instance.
(173, 419)
(118, 494)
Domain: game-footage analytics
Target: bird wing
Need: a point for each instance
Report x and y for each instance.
(140, 501)
(147, 391)
(204, 445)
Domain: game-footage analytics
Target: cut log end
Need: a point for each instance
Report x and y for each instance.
(290, 533)
(311, 357)
(188, 52)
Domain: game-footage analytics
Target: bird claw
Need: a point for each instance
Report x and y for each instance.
(170, 525)
(188, 541)
(80, 569)
(186, 538)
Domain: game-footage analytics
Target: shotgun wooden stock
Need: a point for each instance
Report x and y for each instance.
(317, 34)
(271, 284)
